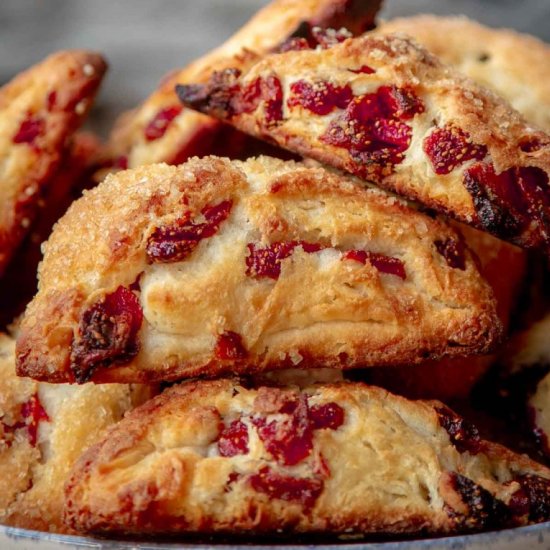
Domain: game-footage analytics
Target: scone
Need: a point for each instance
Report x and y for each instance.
(44, 428)
(514, 65)
(220, 457)
(39, 110)
(387, 110)
(18, 284)
(215, 266)
(159, 130)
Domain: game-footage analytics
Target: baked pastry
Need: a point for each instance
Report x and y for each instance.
(385, 109)
(539, 404)
(160, 131)
(213, 457)
(18, 284)
(213, 267)
(514, 65)
(39, 110)
(44, 428)
(454, 378)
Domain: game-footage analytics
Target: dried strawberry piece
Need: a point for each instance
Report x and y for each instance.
(174, 243)
(453, 251)
(272, 93)
(294, 44)
(29, 130)
(402, 103)
(449, 147)
(33, 413)
(290, 439)
(327, 38)
(463, 435)
(381, 262)
(532, 499)
(230, 346)
(319, 97)
(266, 262)
(365, 69)
(161, 121)
(51, 100)
(233, 439)
(107, 333)
(305, 491)
(328, 416)
(121, 162)
(249, 97)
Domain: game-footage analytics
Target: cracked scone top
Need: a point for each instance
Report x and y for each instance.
(216, 266)
(219, 456)
(387, 110)
(39, 111)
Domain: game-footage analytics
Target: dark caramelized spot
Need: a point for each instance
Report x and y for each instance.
(373, 130)
(450, 147)
(107, 333)
(175, 242)
(266, 262)
(320, 97)
(230, 346)
(512, 201)
(159, 124)
(29, 130)
(304, 491)
(463, 435)
(453, 251)
(328, 416)
(233, 439)
(381, 262)
(484, 510)
(532, 499)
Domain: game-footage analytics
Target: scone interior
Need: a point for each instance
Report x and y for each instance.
(213, 457)
(217, 266)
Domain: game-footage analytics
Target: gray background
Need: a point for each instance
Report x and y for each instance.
(144, 39)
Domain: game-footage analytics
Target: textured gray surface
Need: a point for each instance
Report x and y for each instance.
(143, 39)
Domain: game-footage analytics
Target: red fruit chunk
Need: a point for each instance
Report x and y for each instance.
(450, 147)
(532, 499)
(320, 98)
(233, 439)
(329, 416)
(365, 69)
(463, 435)
(33, 413)
(266, 262)
(292, 489)
(29, 130)
(272, 93)
(289, 440)
(372, 130)
(329, 37)
(230, 346)
(249, 97)
(51, 100)
(107, 333)
(175, 242)
(121, 162)
(381, 262)
(453, 251)
(294, 43)
(159, 124)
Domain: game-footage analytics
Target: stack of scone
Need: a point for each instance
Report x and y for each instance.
(199, 352)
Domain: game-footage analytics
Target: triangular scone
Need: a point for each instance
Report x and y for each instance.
(216, 266)
(44, 428)
(39, 110)
(220, 457)
(159, 130)
(385, 109)
(516, 66)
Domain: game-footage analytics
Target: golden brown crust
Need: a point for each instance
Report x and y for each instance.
(305, 268)
(44, 428)
(180, 135)
(341, 458)
(384, 108)
(514, 65)
(39, 110)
